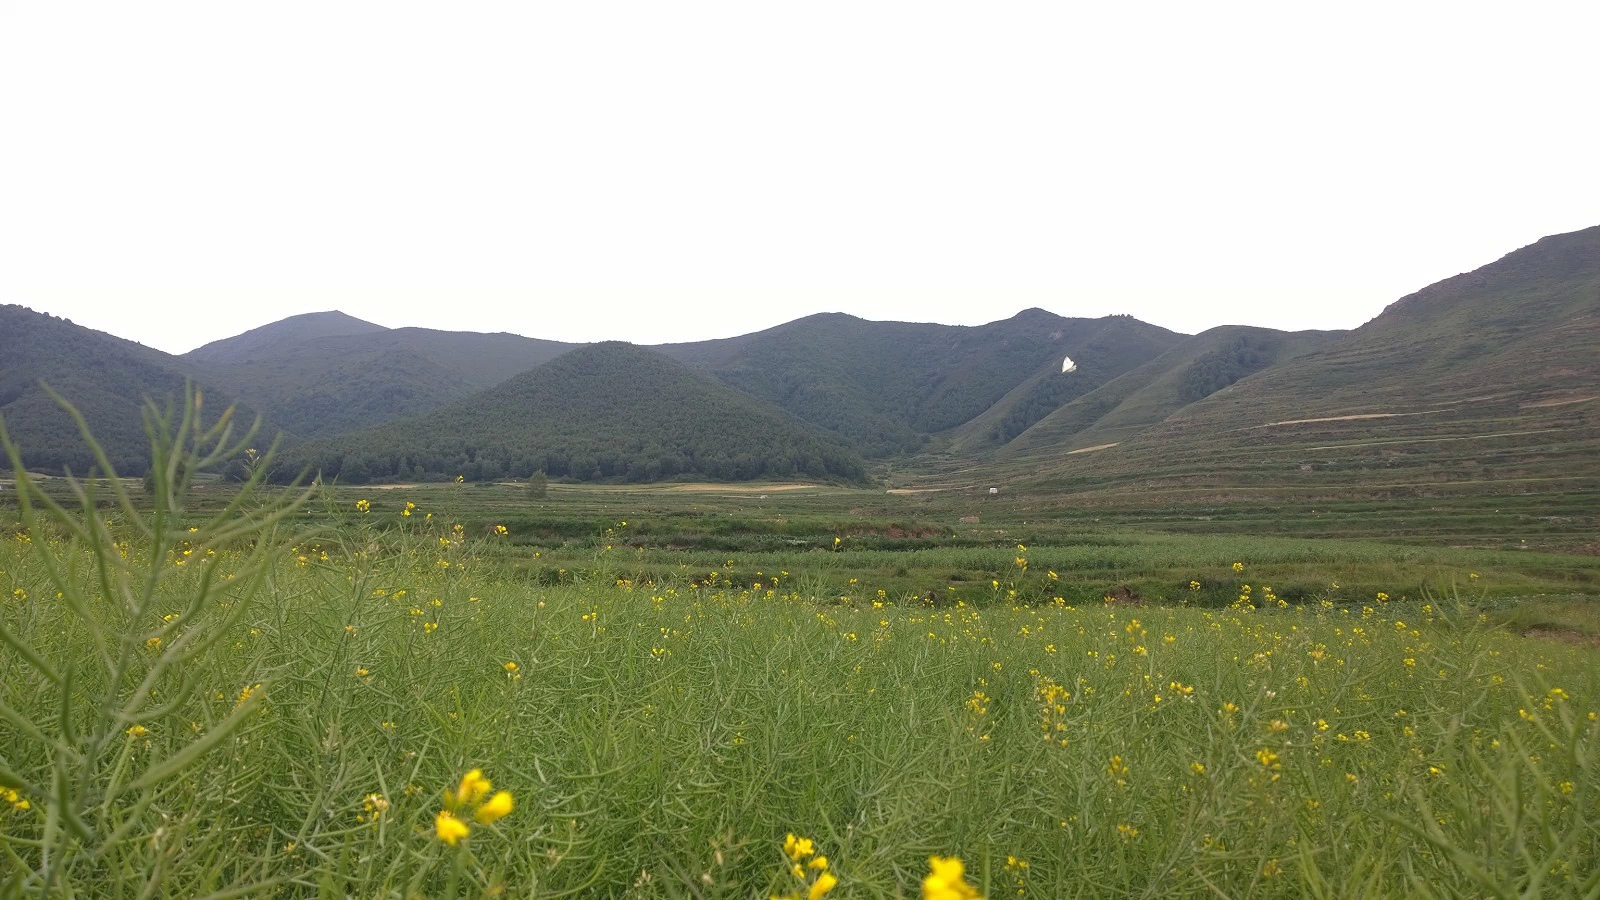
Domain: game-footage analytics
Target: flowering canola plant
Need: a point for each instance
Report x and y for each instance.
(471, 800)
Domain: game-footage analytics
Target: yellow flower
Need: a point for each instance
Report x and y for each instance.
(500, 530)
(471, 794)
(17, 801)
(1117, 768)
(494, 809)
(473, 788)
(363, 507)
(511, 667)
(449, 828)
(245, 695)
(947, 880)
(798, 848)
(824, 883)
(137, 731)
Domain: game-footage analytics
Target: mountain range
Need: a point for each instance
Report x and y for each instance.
(1483, 381)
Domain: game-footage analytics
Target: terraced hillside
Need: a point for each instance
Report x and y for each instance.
(1487, 383)
(1196, 368)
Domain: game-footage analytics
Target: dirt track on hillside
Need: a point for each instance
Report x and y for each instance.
(1540, 404)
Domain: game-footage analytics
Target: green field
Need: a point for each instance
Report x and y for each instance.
(264, 696)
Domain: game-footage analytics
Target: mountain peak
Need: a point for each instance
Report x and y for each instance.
(294, 329)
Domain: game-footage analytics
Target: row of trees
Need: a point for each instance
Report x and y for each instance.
(360, 467)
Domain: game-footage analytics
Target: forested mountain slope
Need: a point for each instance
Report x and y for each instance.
(106, 378)
(888, 386)
(604, 411)
(346, 377)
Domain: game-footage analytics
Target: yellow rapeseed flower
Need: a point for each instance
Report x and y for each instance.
(1117, 769)
(449, 828)
(798, 848)
(473, 788)
(947, 880)
(824, 883)
(471, 795)
(17, 801)
(245, 694)
(494, 809)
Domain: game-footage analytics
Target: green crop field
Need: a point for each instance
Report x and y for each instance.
(702, 691)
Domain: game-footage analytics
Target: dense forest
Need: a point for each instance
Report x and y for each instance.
(609, 411)
(1244, 355)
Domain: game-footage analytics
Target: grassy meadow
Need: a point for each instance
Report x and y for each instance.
(214, 690)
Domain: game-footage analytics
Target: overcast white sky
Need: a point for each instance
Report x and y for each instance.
(178, 172)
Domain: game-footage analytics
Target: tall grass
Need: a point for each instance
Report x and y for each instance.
(240, 710)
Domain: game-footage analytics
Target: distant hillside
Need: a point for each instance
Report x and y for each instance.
(348, 377)
(105, 377)
(283, 333)
(1485, 382)
(884, 386)
(1189, 372)
(605, 411)
(888, 386)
